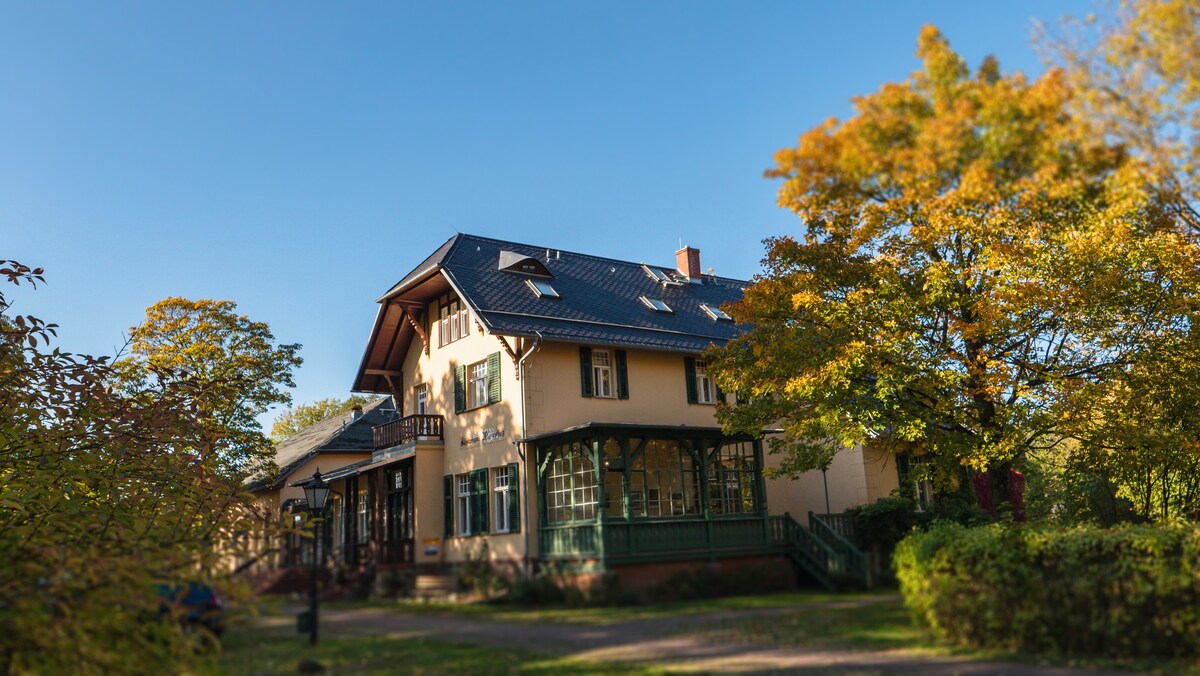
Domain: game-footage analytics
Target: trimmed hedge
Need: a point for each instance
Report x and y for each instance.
(1129, 591)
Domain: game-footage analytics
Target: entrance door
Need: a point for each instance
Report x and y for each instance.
(398, 546)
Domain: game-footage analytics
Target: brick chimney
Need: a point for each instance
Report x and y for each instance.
(687, 262)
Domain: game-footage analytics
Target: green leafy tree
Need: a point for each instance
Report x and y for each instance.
(108, 486)
(234, 364)
(973, 255)
(295, 419)
(1138, 83)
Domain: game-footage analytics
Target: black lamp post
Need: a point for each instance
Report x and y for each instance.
(315, 493)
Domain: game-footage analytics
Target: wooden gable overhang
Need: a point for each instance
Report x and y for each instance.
(400, 320)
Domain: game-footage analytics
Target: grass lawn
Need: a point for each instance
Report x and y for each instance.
(885, 625)
(613, 614)
(872, 621)
(247, 651)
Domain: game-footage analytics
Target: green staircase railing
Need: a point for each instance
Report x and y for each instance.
(852, 561)
(808, 552)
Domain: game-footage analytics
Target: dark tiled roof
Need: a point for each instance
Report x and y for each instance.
(424, 268)
(599, 299)
(332, 435)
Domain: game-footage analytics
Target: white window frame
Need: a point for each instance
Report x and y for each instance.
(477, 384)
(542, 289)
(500, 489)
(363, 511)
(716, 313)
(454, 322)
(421, 399)
(657, 304)
(463, 481)
(602, 374)
(705, 388)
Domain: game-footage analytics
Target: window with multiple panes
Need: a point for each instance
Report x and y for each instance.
(913, 474)
(572, 493)
(464, 504)
(701, 388)
(477, 384)
(500, 499)
(602, 373)
(705, 389)
(664, 480)
(468, 501)
(453, 322)
(422, 399)
(364, 516)
(400, 504)
(731, 477)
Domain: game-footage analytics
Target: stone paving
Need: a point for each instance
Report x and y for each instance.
(649, 642)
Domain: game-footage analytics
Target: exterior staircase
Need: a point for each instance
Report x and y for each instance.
(824, 555)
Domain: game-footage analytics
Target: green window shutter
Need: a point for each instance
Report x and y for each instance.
(514, 498)
(448, 489)
(460, 389)
(902, 469)
(689, 373)
(479, 501)
(720, 394)
(622, 376)
(585, 370)
(493, 377)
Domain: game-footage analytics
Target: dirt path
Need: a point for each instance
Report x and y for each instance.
(647, 642)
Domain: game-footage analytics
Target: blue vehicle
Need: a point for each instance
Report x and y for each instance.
(194, 605)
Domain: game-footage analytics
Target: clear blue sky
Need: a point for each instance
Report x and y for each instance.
(299, 158)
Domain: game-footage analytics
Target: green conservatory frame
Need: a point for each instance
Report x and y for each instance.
(597, 505)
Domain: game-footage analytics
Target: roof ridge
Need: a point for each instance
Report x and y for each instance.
(577, 253)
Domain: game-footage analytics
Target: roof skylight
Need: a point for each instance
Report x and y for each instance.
(716, 312)
(656, 274)
(659, 275)
(542, 289)
(656, 304)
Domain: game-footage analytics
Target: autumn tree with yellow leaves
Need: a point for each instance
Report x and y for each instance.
(973, 255)
(118, 478)
(1137, 71)
(234, 365)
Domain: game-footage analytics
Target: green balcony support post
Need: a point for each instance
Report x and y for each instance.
(760, 486)
(597, 454)
(699, 451)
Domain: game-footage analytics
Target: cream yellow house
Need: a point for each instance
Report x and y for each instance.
(556, 407)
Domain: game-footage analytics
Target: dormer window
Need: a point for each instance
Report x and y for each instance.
(511, 261)
(716, 312)
(542, 289)
(657, 305)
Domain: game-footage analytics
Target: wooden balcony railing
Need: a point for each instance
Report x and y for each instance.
(406, 429)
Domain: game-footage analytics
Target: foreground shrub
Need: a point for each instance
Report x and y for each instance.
(1130, 591)
(879, 526)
